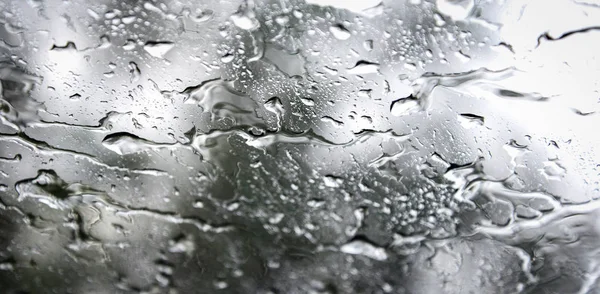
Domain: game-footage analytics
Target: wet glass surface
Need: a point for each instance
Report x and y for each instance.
(279, 146)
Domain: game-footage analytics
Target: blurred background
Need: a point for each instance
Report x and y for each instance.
(279, 146)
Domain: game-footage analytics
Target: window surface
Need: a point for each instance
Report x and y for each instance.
(299, 146)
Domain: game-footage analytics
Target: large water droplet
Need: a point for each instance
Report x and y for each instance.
(360, 247)
(404, 106)
(340, 32)
(364, 67)
(244, 18)
(158, 49)
(455, 9)
(125, 143)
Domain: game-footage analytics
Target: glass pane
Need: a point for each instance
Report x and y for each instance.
(288, 146)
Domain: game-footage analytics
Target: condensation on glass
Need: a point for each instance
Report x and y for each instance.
(288, 146)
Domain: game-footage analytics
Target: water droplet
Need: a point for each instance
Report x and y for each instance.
(204, 15)
(275, 106)
(360, 247)
(69, 46)
(158, 49)
(404, 106)
(220, 285)
(244, 22)
(554, 169)
(307, 101)
(410, 66)
(314, 203)
(340, 32)
(129, 45)
(276, 218)
(134, 72)
(332, 181)
(128, 19)
(125, 143)
(368, 44)
(526, 212)
(334, 122)
(469, 120)
(93, 14)
(364, 67)
(227, 58)
(244, 18)
(6, 266)
(290, 64)
(455, 9)
(182, 244)
(361, 7)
